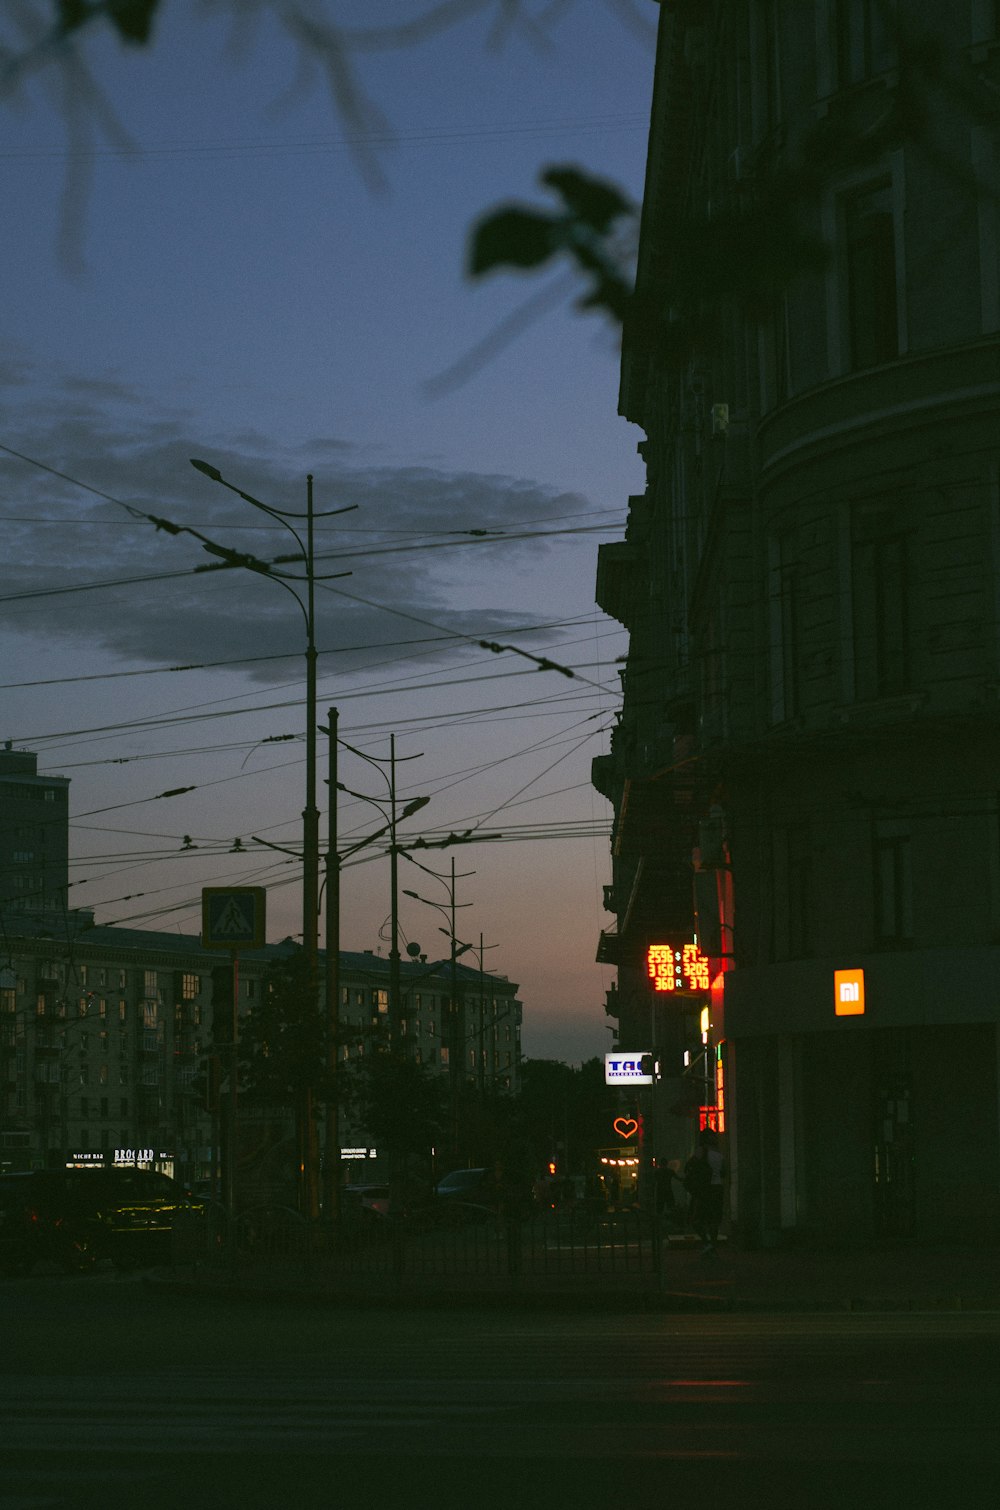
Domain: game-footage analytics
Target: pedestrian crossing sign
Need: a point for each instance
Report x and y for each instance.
(233, 917)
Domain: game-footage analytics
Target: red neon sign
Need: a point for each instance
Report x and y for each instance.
(681, 969)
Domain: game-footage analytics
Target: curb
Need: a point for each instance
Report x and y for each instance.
(611, 1301)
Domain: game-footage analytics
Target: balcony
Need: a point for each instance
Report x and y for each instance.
(618, 570)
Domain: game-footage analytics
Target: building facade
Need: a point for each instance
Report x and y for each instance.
(108, 1047)
(34, 834)
(804, 771)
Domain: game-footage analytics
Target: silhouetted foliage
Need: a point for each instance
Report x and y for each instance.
(566, 1113)
(282, 1044)
(400, 1105)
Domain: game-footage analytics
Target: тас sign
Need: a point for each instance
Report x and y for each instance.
(627, 1069)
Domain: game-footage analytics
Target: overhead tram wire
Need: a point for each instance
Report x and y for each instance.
(253, 660)
(172, 528)
(175, 720)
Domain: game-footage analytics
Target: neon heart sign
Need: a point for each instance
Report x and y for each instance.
(625, 1127)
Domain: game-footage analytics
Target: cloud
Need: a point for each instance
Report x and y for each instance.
(421, 543)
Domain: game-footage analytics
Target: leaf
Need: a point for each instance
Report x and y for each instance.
(512, 237)
(133, 19)
(593, 200)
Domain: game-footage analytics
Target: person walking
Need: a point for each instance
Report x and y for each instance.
(704, 1178)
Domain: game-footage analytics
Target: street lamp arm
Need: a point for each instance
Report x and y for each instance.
(206, 468)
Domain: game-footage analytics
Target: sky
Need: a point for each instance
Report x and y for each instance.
(207, 253)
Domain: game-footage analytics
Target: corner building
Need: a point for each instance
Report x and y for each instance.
(805, 771)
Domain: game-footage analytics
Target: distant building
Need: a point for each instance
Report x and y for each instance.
(804, 774)
(34, 835)
(106, 1032)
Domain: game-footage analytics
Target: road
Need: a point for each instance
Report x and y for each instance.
(113, 1394)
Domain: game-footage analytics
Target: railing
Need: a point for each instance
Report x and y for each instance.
(274, 1244)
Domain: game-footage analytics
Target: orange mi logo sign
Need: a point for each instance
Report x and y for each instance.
(849, 993)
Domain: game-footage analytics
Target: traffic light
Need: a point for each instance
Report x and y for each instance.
(212, 1079)
(223, 1006)
(552, 1166)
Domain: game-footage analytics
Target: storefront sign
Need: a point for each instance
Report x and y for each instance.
(628, 1069)
(849, 993)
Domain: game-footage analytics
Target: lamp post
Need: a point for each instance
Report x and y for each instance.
(392, 817)
(305, 1112)
(456, 1026)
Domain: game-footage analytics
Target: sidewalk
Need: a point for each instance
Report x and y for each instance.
(896, 1278)
(885, 1279)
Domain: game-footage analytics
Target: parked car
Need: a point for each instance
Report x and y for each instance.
(466, 1195)
(370, 1198)
(75, 1216)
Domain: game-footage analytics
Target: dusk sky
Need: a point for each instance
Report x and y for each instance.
(203, 257)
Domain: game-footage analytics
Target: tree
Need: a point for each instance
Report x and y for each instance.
(282, 1047)
(565, 1112)
(400, 1105)
(741, 251)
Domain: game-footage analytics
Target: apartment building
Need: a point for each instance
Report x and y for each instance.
(804, 771)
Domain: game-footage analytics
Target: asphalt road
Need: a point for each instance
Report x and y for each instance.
(115, 1395)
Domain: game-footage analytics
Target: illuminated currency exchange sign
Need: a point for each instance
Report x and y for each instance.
(679, 968)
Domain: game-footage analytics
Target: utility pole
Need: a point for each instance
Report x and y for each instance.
(331, 1170)
(305, 1118)
(310, 874)
(395, 1016)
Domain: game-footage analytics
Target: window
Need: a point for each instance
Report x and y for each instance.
(104, 1106)
(870, 258)
(768, 63)
(893, 883)
(122, 1011)
(380, 999)
(190, 986)
(149, 1014)
(783, 609)
(799, 892)
(150, 985)
(84, 1106)
(864, 39)
(881, 616)
(83, 1006)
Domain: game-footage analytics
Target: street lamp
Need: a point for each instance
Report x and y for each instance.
(456, 1026)
(310, 814)
(392, 818)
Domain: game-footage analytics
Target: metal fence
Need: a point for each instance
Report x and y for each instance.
(565, 1244)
